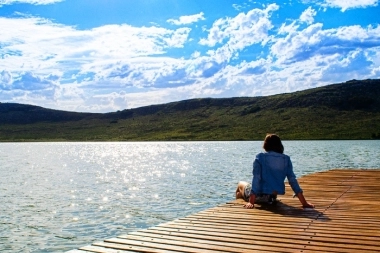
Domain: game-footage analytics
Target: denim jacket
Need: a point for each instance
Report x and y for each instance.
(269, 172)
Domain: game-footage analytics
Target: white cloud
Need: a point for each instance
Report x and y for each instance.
(40, 55)
(308, 16)
(304, 59)
(5, 79)
(123, 100)
(255, 68)
(44, 47)
(31, 82)
(237, 7)
(236, 33)
(107, 102)
(115, 67)
(291, 28)
(312, 41)
(178, 37)
(185, 20)
(196, 54)
(347, 4)
(374, 56)
(37, 2)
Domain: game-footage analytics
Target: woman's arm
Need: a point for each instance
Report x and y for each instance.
(256, 183)
(292, 179)
(251, 203)
(256, 179)
(303, 201)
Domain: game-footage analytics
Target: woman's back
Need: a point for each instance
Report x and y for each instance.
(271, 169)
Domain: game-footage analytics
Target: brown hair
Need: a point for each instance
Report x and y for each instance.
(272, 142)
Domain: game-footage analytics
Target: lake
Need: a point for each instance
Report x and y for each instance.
(60, 196)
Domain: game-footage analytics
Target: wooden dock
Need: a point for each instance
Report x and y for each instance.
(346, 219)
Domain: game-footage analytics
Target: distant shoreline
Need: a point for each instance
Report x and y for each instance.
(344, 111)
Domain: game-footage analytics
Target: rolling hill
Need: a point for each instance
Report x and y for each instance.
(349, 110)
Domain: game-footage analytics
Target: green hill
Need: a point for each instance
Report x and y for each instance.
(349, 110)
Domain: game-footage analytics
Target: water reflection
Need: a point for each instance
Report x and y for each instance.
(59, 196)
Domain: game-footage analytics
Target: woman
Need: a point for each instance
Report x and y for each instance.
(270, 169)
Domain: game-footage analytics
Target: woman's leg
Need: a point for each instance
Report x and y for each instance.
(240, 190)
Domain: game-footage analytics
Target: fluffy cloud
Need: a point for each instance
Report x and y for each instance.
(346, 4)
(31, 82)
(185, 20)
(5, 79)
(312, 41)
(308, 16)
(47, 48)
(252, 26)
(254, 68)
(114, 67)
(355, 65)
(350, 4)
(37, 2)
(236, 33)
(178, 38)
(40, 55)
(287, 29)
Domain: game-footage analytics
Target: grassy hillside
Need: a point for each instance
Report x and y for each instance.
(349, 110)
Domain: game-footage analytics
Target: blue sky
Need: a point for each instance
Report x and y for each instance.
(109, 55)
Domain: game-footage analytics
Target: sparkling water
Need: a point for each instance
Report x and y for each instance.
(60, 196)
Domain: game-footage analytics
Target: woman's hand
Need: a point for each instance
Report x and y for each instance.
(252, 199)
(308, 205)
(249, 205)
(303, 201)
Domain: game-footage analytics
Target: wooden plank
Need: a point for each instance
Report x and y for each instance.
(268, 237)
(346, 219)
(128, 248)
(225, 244)
(331, 236)
(144, 246)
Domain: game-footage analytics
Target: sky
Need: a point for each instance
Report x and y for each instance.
(109, 55)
